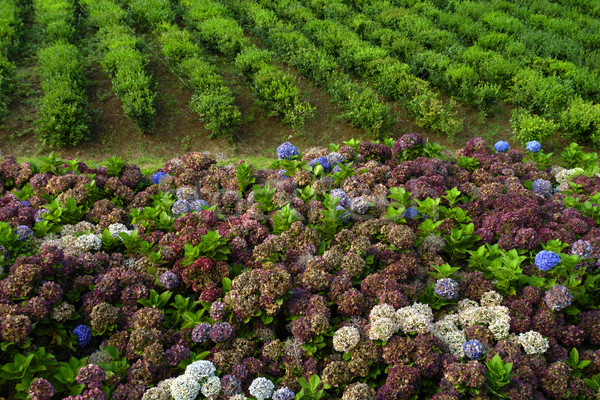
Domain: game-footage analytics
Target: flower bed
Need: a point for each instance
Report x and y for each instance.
(362, 271)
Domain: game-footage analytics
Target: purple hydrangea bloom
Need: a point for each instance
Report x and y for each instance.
(41, 389)
(284, 393)
(533, 146)
(542, 187)
(546, 260)
(169, 280)
(411, 212)
(231, 385)
(344, 199)
(473, 349)
(4, 254)
(217, 310)
(198, 204)
(447, 288)
(91, 375)
(157, 177)
(84, 334)
(181, 207)
(336, 169)
(286, 151)
(221, 331)
(501, 146)
(201, 332)
(558, 297)
(582, 249)
(335, 158)
(322, 161)
(23, 232)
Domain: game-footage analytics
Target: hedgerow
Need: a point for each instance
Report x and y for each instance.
(10, 23)
(124, 63)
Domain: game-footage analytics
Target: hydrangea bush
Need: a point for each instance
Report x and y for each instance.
(402, 273)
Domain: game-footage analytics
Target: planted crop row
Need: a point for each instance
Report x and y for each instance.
(212, 99)
(124, 63)
(389, 76)
(152, 12)
(62, 118)
(276, 90)
(9, 25)
(544, 95)
(361, 105)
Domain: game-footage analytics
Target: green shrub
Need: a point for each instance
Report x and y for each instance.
(56, 18)
(527, 126)
(7, 71)
(152, 11)
(581, 121)
(223, 35)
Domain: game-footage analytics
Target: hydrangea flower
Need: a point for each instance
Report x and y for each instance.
(201, 332)
(198, 204)
(221, 331)
(335, 158)
(533, 342)
(157, 177)
(284, 393)
(542, 187)
(359, 205)
(447, 288)
(411, 212)
(340, 194)
(383, 329)
(501, 146)
(345, 339)
(25, 203)
(185, 387)
(23, 232)
(261, 388)
(473, 349)
(41, 389)
(211, 386)
(200, 369)
(322, 161)
(286, 151)
(582, 249)
(558, 297)
(336, 169)
(533, 146)
(345, 216)
(231, 385)
(84, 334)
(169, 280)
(181, 207)
(546, 260)
(91, 375)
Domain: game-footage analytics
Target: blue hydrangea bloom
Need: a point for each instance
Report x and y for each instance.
(84, 334)
(157, 177)
(284, 393)
(447, 288)
(286, 151)
(23, 232)
(344, 199)
(201, 332)
(546, 260)
(501, 146)
(345, 216)
(25, 203)
(411, 212)
(336, 169)
(335, 158)
(198, 204)
(473, 349)
(4, 254)
(282, 173)
(320, 161)
(534, 146)
(542, 187)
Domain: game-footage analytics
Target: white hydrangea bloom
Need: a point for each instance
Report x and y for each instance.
(533, 342)
(211, 386)
(491, 298)
(383, 310)
(115, 229)
(500, 328)
(185, 387)
(465, 304)
(261, 388)
(415, 318)
(89, 242)
(383, 329)
(200, 369)
(238, 396)
(454, 340)
(345, 339)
